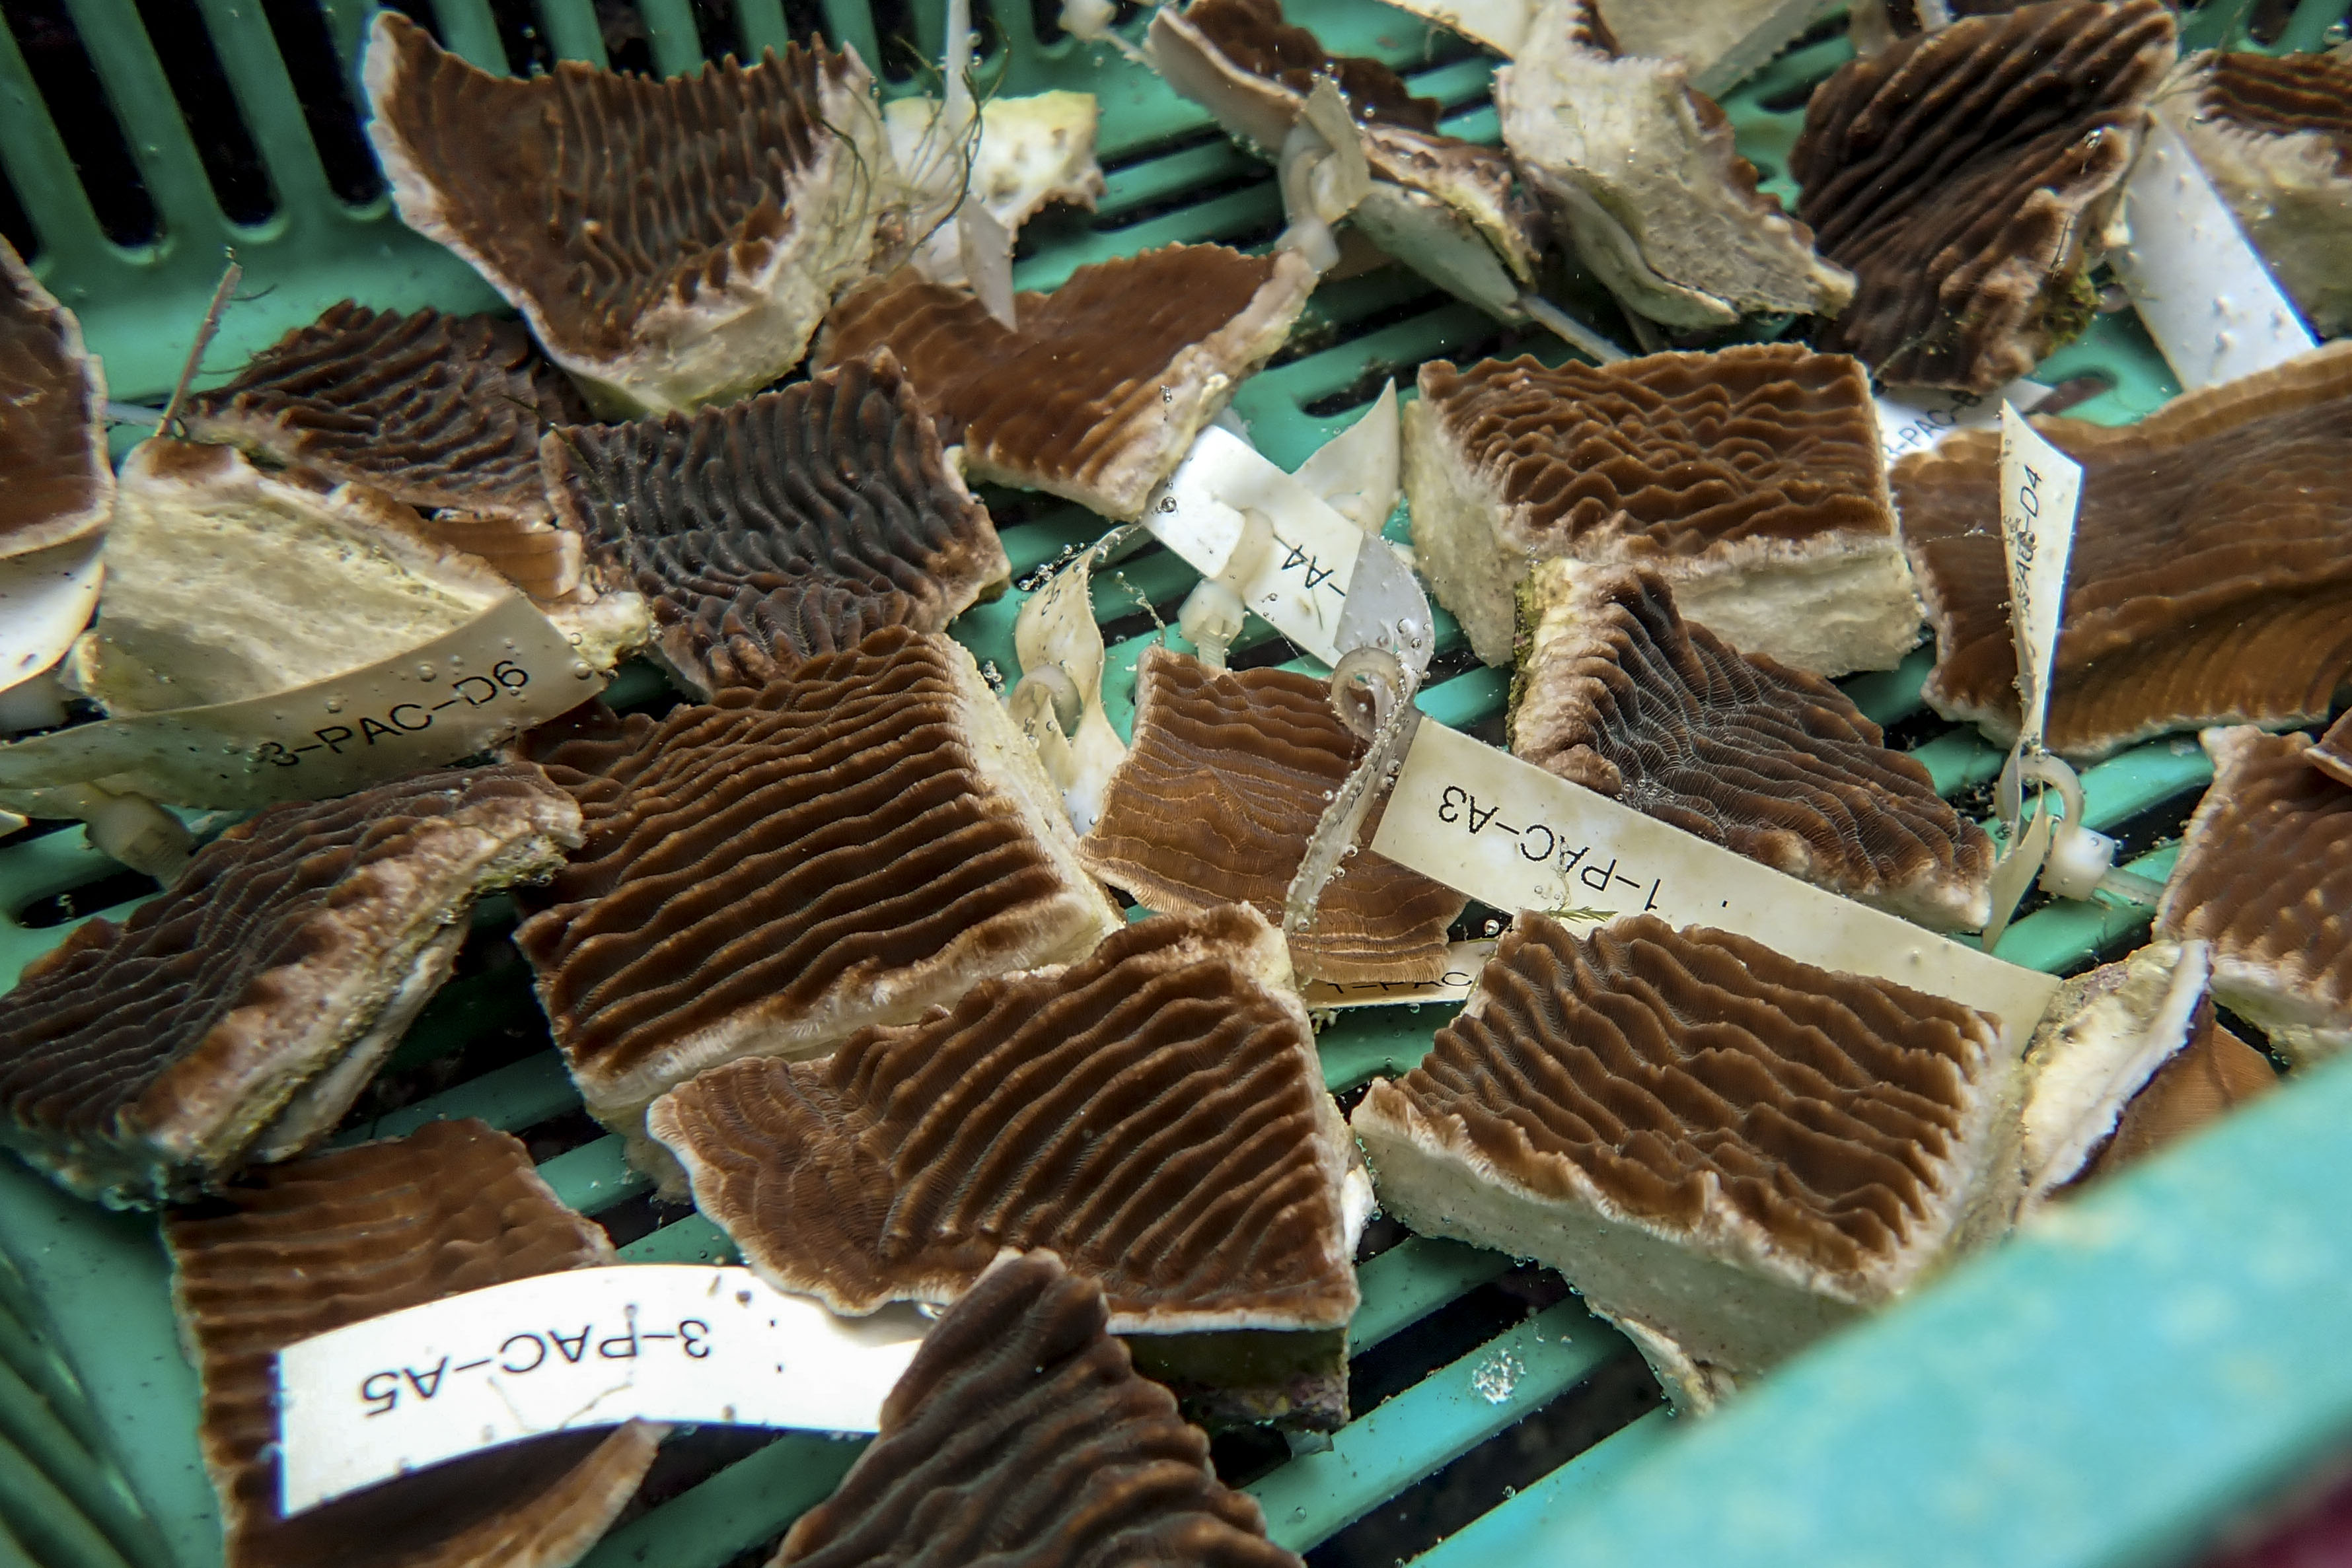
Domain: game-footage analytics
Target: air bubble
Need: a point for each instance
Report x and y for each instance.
(334, 704)
(581, 671)
(426, 672)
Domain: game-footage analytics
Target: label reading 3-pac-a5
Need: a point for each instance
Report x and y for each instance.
(558, 1353)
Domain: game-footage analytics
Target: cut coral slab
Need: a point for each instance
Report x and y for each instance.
(2275, 138)
(1154, 1114)
(1098, 394)
(1031, 151)
(236, 1016)
(790, 524)
(1726, 1152)
(2212, 575)
(1640, 176)
(1751, 479)
(1228, 777)
(59, 483)
(2265, 875)
(861, 839)
(2130, 1057)
(337, 1239)
(440, 414)
(1446, 207)
(1964, 176)
(670, 242)
(1616, 693)
(226, 580)
(1022, 1437)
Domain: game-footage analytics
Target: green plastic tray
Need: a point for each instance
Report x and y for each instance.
(2104, 1391)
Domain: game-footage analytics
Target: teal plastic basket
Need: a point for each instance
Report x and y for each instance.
(2110, 1389)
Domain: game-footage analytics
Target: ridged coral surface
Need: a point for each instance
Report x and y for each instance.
(2266, 874)
(341, 1237)
(52, 447)
(2212, 575)
(1628, 700)
(1153, 1114)
(1961, 176)
(1098, 393)
(1252, 36)
(2283, 95)
(779, 867)
(1228, 775)
(147, 1054)
(1675, 455)
(786, 525)
(1672, 1071)
(1022, 1438)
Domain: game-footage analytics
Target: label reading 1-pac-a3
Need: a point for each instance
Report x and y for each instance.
(593, 1347)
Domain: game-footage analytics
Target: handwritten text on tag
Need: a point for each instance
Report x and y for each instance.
(1506, 831)
(593, 1347)
(2041, 492)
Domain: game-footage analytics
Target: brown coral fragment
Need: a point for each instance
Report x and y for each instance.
(438, 412)
(859, 840)
(1098, 393)
(790, 524)
(1751, 479)
(2274, 135)
(1725, 1150)
(1446, 207)
(1022, 1437)
(2211, 1076)
(340, 1238)
(670, 242)
(2331, 752)
(2265, 875)
(60, 483)
(1616, 693)
(1963, 176)
(2212, 575)
(1154, 1114)
(1640, 175)
(236, 1017)
(1228, 776)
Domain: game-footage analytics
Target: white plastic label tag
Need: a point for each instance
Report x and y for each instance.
(499, 673)
(2041, 492)
(1234, 515)
(2208, 300)
(1506, 831)
(1463, 962)
(45, 599)
(1921, 417)
(558, 1353)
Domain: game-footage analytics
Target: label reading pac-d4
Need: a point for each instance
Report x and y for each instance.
(2040, 491)
(558, 1352)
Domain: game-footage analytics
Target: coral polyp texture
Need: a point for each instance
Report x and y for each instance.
(1154, 1114)
(670, 242)
(1751, 479)
(1618, 694)
(1227, 779)
(1097, 392)
(236, 1016)
(1963, 177)
(1641, 178)
(1726, 1152)
(789, 523)
(435, 412)
(2210, 580)
(1022, 1437)
(60, 484)
(2275, 138)
(334, 1239)
(858, 839)
(2265, 875)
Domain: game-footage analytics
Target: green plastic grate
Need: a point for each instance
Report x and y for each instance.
(480, 1047)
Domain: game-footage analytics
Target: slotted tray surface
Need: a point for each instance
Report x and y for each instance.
(1169, 178)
